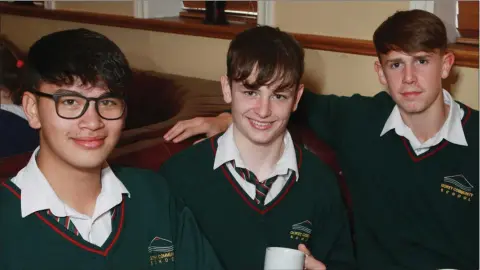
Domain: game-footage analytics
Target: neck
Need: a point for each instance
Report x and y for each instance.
(5, 98)
(426, 124)
(78, 188)
(259, 158)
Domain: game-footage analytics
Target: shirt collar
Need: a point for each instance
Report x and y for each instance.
(37, 194)
(452, 129)
(227, 151)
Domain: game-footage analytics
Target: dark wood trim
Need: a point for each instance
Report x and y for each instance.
(468, 19)
(193, 14)
(176, 25)
(248, 6)
(466, 55)
(336, 44)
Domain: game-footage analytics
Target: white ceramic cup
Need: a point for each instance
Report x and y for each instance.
(279, 258)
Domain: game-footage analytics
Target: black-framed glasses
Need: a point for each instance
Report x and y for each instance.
(73, 106)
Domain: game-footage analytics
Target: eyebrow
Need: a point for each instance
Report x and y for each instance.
(76, 93)
(65, 91)
(420, 56)
(284, 90)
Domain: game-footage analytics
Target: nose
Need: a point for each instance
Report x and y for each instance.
(409, 75)
(91, 119)
(263, 107)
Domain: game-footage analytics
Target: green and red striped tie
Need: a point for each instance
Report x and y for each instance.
(261, 188)
(67, 222)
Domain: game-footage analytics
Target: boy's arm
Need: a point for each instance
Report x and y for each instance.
(323, 114)
(192, 249)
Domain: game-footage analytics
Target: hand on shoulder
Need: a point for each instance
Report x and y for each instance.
(209, 126)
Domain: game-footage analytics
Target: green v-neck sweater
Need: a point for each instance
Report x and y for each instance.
(150, 230)
(410, 212)
(308, 211)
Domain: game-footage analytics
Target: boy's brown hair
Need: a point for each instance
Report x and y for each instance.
(274, 54)
(411, 31)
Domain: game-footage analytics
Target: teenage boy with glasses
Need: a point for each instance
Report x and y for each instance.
(68, 209)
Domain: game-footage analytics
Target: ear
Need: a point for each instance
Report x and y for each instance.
(226, 89)
(381, 75)
(30, 107)
(298, 96)
(447, 62)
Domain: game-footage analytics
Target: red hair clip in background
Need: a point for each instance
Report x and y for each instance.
(20, 63)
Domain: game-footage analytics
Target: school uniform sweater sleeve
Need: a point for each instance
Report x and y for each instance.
(322, 113)
(332, 241)
(193, 251)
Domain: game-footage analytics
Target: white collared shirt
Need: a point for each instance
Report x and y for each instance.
(227, 151)
(38, 195)
(452, 129)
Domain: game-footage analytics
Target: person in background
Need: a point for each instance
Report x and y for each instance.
(16, 136)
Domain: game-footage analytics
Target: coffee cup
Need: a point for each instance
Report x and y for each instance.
(279, 258)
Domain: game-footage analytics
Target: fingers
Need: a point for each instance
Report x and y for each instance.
(310, 262)
(197, 141)
(304, 249)
(185, 129)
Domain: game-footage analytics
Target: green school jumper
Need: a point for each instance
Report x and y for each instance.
(309, 211)
(410, 212)
(150, 230)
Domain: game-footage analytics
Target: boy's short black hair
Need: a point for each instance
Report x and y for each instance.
(63, 57)
(274, 54)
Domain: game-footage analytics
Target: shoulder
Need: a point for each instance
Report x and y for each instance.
(9, 201)
(191, 159)
(11, 120)
(312, 167)
(380, 101)
(142, 181)
(470, 124)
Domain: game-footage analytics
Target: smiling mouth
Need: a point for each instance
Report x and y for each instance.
(260, 125)
(89, 143)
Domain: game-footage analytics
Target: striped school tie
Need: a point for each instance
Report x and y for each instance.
(261, 188)
(67, 222)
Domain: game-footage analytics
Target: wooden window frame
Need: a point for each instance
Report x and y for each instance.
(236, 11)
(468, 22)
(465, 55)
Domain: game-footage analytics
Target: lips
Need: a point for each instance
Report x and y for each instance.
(260, 125)
(90, 143)
(411, 94)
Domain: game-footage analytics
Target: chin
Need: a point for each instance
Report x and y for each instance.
(262, 138)
(88, 160)
(88, 163)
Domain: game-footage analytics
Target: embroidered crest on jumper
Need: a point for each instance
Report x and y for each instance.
(301, 231)
(161, 251)
(457, 186)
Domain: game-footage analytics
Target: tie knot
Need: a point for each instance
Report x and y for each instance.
(261, 188)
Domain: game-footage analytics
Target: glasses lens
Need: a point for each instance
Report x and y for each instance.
(70, 106)
(111, 107)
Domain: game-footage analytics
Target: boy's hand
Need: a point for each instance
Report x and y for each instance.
(210, 126)
(310, 262)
